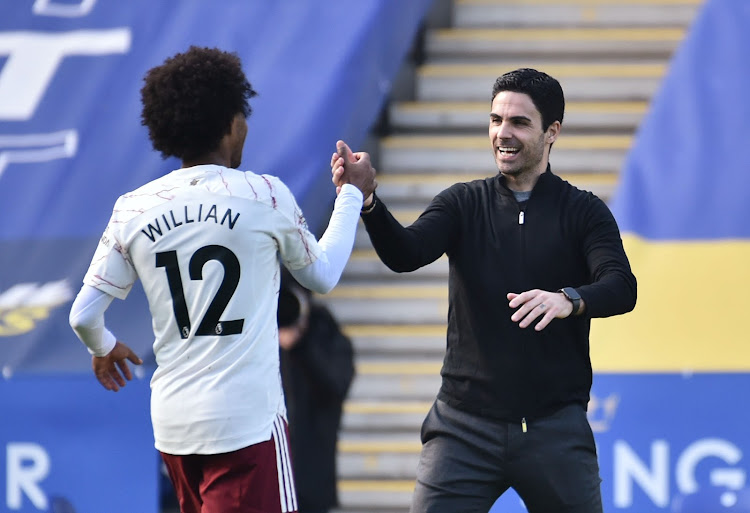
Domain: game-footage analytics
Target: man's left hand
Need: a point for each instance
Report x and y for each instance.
(536, 303)
(108, 368)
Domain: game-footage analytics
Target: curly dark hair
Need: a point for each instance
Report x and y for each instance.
(189, 102)
(544, 91)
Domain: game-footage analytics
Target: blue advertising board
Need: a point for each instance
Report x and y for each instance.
(664, 437)
(69, 446)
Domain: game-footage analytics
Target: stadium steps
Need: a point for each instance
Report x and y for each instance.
(588, 42)
(461, 116)
(469, 153)
(598, 80)
(574, 13)
(610, 56)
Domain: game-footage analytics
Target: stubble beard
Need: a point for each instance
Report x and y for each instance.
(518, 172)
(530, 161)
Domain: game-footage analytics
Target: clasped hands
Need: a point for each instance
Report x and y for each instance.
(355, 169)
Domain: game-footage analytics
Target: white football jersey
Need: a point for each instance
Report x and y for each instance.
(205, 242)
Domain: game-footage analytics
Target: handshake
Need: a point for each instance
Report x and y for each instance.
(355, 169)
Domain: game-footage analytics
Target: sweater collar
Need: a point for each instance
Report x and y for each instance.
(544, 178)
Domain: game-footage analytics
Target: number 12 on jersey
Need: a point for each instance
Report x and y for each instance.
(211, 323)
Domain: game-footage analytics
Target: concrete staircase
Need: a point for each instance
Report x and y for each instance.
(610, 56)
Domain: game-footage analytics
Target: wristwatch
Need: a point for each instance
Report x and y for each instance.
(573, 296)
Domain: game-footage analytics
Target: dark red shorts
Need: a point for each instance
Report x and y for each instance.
(256, 479)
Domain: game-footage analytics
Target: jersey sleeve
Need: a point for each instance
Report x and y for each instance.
(298, 247)
(111, 269)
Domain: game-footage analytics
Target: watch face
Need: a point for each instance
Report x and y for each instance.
(574, 297)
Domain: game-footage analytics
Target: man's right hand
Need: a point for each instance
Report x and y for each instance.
(353, 168)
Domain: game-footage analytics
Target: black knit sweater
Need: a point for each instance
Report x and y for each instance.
(565, 237)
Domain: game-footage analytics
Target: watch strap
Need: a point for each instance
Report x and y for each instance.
(574, 297)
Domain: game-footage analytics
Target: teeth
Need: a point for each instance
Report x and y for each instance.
(508, 150)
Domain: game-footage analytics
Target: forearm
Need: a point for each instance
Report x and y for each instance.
(612, 287)
(337, 243)
(87, 320)
(405, 249)
(612, 294)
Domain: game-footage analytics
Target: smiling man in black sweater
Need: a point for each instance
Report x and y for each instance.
(532, 260)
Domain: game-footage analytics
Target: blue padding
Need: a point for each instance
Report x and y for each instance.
(70, 446)
(668, 441)
(71, 140)
(688, 174)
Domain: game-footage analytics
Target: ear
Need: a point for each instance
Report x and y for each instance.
(553, 131)
(236, 124)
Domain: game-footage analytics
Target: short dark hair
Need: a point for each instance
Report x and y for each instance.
(190, 100)
(544, 91)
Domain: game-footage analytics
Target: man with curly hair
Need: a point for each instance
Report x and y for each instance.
(205, 240)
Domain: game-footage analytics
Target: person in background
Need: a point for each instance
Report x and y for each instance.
(532, 260)
(317, 368)
(205, 240)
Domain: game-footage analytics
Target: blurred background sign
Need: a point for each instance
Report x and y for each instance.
(69, 446)
(681, 358)
(683, 207)
(663, 437)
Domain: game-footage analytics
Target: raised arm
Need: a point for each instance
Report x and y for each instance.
(401, 249)
(336, 243)
(323, 273)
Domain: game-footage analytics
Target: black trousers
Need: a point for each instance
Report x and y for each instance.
(468, 461)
